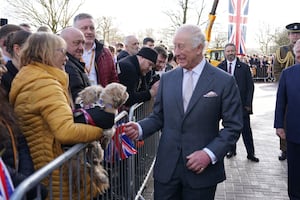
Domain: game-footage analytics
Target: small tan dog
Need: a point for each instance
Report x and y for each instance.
(109, 99)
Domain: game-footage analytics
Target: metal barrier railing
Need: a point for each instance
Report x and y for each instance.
(264, 73)
(144, 160)
(127, 176)
(42, 173)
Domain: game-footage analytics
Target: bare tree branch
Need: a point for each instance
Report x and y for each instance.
(56, 14)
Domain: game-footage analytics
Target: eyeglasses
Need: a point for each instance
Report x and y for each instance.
(62, 50)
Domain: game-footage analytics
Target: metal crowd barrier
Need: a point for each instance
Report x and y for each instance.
(127, 177)
(144, 160)
(264, 73)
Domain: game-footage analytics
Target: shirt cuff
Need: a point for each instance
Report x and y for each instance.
(140, 132)
(212, 156)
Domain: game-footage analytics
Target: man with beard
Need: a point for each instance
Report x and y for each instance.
(242, 74)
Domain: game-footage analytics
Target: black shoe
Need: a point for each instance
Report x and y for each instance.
(282, 156)
(230, 154)
(252, 158)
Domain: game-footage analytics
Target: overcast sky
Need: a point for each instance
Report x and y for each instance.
(134, 16)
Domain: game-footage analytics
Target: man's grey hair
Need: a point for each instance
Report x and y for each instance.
(82, 16)
(197, 37)
(128, 39)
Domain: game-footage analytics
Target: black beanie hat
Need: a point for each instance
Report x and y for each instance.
(148, 53)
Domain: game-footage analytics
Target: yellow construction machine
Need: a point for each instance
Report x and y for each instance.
(213, 55)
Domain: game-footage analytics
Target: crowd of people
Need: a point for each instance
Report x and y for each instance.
(35, 125)
(42, 73)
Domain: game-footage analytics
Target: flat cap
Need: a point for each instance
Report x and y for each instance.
(294, 27)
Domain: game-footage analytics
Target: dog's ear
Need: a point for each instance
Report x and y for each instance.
(117, 102)
(78, 100)
(120, 98)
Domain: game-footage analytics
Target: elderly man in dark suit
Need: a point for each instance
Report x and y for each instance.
(191, 101)
(287, 118)
(242, 74)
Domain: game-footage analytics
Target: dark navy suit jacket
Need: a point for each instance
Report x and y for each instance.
(287, 112)
(215, 98)
(244, 80)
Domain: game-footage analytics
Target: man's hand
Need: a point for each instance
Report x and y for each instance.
(154, 88)
(280, 132)
(198, 161)
(131, 130)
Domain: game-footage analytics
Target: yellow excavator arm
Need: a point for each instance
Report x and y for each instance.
(211, 20)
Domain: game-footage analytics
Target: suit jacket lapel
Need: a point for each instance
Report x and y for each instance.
(178, 78)
(201, 87)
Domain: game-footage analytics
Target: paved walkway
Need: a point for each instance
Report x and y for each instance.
(266, 180)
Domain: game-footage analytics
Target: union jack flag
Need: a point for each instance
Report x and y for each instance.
(6, 185)
(120, 147)
(238, 13)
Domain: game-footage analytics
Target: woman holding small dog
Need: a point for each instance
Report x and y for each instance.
(41, 100)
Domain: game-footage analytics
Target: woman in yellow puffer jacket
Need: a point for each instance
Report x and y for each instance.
(41, 100)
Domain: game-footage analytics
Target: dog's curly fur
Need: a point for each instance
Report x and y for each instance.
(111, 97)
(94, 156)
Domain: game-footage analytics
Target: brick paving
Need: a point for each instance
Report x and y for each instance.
(266, 180)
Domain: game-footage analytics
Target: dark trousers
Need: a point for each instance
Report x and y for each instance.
(293, 161)
(247, 136)
(178, 189)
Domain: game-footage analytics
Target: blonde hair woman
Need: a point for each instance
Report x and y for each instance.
(39, 95)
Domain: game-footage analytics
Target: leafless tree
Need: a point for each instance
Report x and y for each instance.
(181, 15)
(281, 37)
(103, 27)
(106, 31)
(199, 12)
(265, 38)
(56, 14)
(219, 40)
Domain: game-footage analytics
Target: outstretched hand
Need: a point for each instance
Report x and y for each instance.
(131, 130)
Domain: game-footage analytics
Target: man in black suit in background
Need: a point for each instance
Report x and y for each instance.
(242, 74)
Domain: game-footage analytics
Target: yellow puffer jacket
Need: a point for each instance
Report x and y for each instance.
(39, 95)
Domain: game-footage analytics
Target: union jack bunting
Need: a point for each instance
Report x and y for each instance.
(6, 185)
(238, 13)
